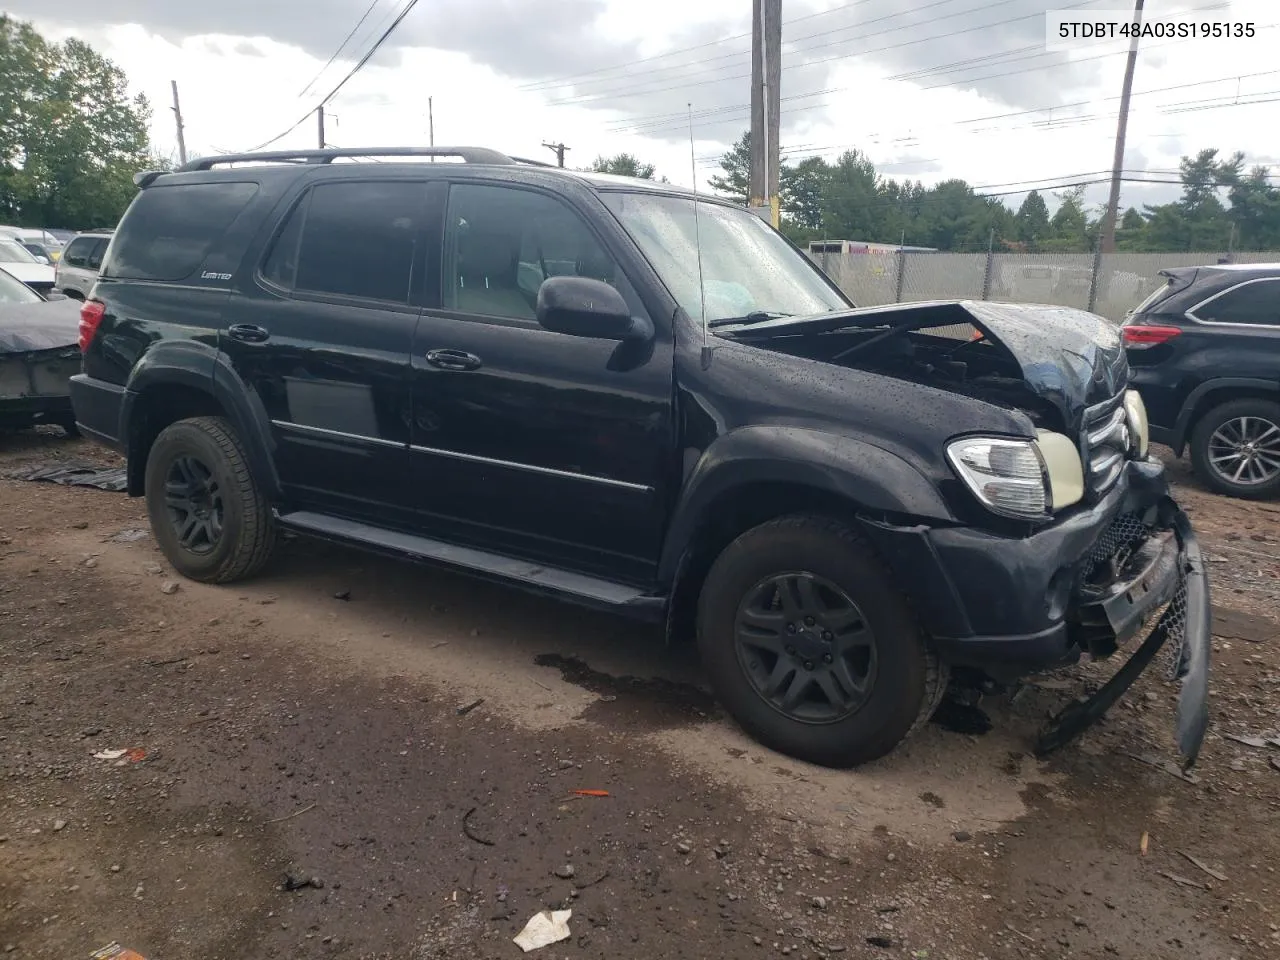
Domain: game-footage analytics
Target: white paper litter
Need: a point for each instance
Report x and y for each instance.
(109, 754)
(549, 926)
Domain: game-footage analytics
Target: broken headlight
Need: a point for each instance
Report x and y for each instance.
(1008, 476)
(1026, 479)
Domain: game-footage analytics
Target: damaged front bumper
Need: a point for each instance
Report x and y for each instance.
(1088, 584)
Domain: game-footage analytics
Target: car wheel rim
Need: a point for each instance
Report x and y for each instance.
(1246, 451)
(193, 500)
(806, 647)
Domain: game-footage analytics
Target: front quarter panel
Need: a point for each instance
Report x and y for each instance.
(868, 476)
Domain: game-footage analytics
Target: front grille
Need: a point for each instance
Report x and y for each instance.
(1116, 544)
(1105, 444)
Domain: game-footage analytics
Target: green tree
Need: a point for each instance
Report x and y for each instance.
(71, 137)
(1255, 211)
(1032, 221)
(623, 165)
(852, 198)
(1131, 234)
(736, 164)
(1069, 225)
(803, 188)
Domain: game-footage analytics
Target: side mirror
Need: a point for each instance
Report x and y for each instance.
(581, 307)
(51, 295)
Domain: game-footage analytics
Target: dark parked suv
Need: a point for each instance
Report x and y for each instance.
(1205, 353)
(623, 394)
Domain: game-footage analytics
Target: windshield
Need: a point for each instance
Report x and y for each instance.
(747, 268)
(13, 290)
(13, 252)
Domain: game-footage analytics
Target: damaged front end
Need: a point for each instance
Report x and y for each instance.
(1147, 563)
(1087, 565)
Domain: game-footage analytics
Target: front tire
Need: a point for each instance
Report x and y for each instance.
(1235, 449)
(811, 646)
(207, 512)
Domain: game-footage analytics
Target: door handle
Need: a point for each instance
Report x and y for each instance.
(247, 333)
(453, 359)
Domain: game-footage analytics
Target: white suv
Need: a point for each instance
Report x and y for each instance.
(79, 265)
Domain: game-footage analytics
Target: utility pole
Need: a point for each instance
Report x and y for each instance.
(766, 77)
(177, 116)
(1107, 235)
(320, 124)
(558, 149)
(431, 123)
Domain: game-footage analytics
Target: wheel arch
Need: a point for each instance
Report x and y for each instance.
(1213, 393)
(762, 473)
(189, 379)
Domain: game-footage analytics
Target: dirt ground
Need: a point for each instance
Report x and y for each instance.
(310, 729)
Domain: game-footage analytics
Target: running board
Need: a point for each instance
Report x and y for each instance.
(525, 574)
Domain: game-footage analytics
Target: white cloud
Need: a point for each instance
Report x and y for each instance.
(937, 109)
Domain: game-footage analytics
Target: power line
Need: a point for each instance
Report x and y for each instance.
(626, 92)
(564, 80)
(860, 26)
(341, 47)
(408, 8)
(1072, 120)
(660, 121)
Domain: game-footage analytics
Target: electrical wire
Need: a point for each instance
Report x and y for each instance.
(661, 121)
(1064, 122)
(627, 92)
(860, 26)
(562, 81)
(341, 47)
(408, 8)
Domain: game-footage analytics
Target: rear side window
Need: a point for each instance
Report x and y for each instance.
(168, 231)
(350, 239)
(77, 252)
(1252, 303)
(97, 251)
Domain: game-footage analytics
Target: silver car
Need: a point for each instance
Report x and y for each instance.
(78, 267)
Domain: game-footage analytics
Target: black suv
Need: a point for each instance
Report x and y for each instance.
(1205, 354)
(631, 396)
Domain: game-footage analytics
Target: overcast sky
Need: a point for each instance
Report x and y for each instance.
(929, 89)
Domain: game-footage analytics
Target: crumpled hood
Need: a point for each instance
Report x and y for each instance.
(1071, 358)
(31, 327)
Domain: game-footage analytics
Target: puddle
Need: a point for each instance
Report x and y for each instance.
(646, 703)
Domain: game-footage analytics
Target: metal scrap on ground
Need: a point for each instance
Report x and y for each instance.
(76, 473)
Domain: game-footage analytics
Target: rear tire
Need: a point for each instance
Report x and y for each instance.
(863, 644)
(1220, 448)
(207, 512)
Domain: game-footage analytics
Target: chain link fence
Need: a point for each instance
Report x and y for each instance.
(1109, 284)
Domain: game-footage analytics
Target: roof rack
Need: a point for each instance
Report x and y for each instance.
(467, 154)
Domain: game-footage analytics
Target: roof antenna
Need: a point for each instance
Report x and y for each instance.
(697, 239)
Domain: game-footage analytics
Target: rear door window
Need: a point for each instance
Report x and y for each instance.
(1253, 303)
(356, 239)
(169, 230)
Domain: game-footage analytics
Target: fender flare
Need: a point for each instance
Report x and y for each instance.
(1182, 427)
(190, 363)
(876, 479)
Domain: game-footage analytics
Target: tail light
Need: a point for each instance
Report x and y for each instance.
(90, 316)
(1144, 337)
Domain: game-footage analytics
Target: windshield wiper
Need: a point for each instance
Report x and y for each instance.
(756, 316)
